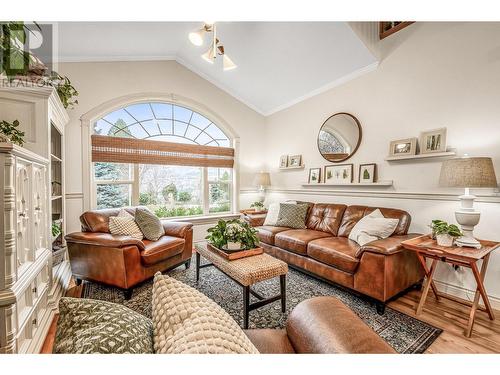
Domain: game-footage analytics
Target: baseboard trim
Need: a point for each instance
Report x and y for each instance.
(464, 293)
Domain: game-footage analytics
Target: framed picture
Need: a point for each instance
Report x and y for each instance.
(402, 147)
(433, 141)
(295, 160)
(338, 174)
(284, 161)
(367, 173)
(314, 175)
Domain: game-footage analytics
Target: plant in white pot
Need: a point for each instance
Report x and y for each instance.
(233, 234)
(445, 233)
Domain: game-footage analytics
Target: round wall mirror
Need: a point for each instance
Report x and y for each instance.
(339, 137)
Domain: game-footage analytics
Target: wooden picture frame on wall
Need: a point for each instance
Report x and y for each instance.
(387, 28)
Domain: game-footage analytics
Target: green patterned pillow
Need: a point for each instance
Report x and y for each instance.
(87, 326)
(292, 215)
(149, 224)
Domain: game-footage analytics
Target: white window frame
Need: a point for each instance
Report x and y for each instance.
(89, 197)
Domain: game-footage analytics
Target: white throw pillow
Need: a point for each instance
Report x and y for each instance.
(273, 213)
(373, 227)
(124, 224)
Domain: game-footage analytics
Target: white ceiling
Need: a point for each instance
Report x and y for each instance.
(279, 63)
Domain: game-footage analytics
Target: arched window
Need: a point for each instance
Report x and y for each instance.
(162, 122)
(168, 190)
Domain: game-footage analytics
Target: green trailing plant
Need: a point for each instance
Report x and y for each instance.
(442, 227)
(257, 205)
(9, 130)
(232, 231)
(64, 88)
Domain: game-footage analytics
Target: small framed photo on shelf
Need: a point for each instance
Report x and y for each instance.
(314, 175)
(283, 161)
(433, 141)
(403, 147)
(294, 160)
(367, 173)
(338, 174)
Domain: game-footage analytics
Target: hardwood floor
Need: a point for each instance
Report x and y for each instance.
(450, 316)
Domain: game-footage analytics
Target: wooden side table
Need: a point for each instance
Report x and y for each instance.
(427, 248)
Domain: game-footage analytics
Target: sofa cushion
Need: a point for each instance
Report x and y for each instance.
(292, 215)
(266, 233)
(98, 220)
(339, 252)
(326, 217)
(156, 251)
(88, 326)
(296, 240)
(187, 321)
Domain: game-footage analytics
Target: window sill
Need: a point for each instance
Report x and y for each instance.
(206, 219)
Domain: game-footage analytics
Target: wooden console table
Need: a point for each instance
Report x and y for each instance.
(427, 248)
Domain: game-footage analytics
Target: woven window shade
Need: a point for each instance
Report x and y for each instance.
(141, 151)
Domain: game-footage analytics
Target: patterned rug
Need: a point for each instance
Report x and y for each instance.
(404, 333)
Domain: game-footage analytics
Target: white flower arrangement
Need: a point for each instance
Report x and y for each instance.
(234, 231)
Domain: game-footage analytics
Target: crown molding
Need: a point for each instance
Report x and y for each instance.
(69, 59)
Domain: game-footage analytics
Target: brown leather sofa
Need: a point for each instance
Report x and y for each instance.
(123, 261)
(320, 325)
(380, 269)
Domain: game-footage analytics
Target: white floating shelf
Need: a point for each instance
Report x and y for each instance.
(422, 156)
(290, 168)
(364, 184)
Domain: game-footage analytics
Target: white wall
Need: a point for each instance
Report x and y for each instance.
(431, 75)
(100, 82)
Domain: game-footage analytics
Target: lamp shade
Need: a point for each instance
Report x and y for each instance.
(468, 172)
(262, 179)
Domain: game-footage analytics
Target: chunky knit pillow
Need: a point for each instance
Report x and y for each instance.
(149, 224)
(124, 224)
(88, 326)
(292, 216)
(186, 321)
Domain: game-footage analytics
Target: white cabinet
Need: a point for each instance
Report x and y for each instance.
(30, 287)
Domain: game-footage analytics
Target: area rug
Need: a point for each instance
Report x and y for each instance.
(404, 333)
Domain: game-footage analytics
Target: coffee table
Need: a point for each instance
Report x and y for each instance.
(247, 272)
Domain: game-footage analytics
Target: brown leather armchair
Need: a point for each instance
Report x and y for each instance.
(320, 325)
(123, 261)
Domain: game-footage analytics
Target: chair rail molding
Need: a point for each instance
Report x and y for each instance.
(439, 196)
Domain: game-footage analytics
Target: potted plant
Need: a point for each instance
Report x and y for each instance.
(445, 233)
(233, 235)
(259, 206)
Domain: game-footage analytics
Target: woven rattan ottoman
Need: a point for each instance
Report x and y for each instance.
(246, 272)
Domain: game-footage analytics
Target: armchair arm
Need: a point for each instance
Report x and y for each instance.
(103, 239)
(386, 246)
(176, 228)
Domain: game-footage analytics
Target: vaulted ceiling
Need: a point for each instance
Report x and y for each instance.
(279, 63)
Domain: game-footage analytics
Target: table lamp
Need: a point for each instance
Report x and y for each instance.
(468, 172)
(262, 180)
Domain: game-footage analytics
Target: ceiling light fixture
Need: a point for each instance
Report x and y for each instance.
(216, 47)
